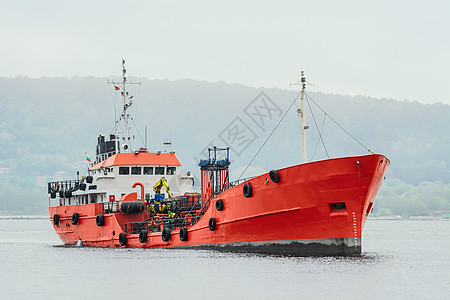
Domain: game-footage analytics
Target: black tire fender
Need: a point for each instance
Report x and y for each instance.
(56, 219)
(122, 239)
(75, 218)
(247, 190)
(100, 220)
(165, 235)
(212, 224)
(274, 176)
(183, 234)
(143, 236)
(219, 205)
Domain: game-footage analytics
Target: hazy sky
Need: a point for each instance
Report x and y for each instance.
(393, 49)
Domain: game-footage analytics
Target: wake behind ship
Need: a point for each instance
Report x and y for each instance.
(313, 208)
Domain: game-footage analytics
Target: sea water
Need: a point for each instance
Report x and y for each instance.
(400, 260)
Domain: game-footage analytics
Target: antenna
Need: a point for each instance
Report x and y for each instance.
(127, 102)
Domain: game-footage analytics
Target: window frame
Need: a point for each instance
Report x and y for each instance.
(163, 170)
(150, 173)
(136, 167)
(123, 168)
(171, 168)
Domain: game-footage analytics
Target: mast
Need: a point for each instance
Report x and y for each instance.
(127, 102)
(302, 116)
(125, 115)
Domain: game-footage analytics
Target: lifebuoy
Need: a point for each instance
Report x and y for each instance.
(143, 236)
(166, 235)
(56, 219)
(183, 234)
(122, 239)
(212, 224)
(247, 190)
(219, 205)
(75, 218)
(274, 176)
(100, 220)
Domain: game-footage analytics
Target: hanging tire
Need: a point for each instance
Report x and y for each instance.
(274, 176)
(183, 234)
(89, 179)
(61, 194)
(122, 239)
(56, 219)
(68, 193)
(212, 224)
(166, 235)
(75, 218)
(83, 186)
(143, 236)
(53, 194)
(100, 220)
(219, 205)
(247, 190)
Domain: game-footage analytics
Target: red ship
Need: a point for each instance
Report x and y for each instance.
(314, 208)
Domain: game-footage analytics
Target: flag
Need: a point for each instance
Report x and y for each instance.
(117, 88)
(88, 158)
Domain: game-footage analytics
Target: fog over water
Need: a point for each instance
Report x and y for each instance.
(393, 49)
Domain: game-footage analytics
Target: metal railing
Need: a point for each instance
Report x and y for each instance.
(64, 185)
(103, 156)
(110, 207)
(239, 181)
(157, 224)
(183, 203)
(200, 213)
(187, 209)
(187, 214)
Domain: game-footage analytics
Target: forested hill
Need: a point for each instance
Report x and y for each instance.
(48, 124)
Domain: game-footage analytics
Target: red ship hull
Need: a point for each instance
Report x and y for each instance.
(302, 214)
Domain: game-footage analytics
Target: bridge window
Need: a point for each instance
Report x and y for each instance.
(159, 170)
(148, 170)
(171, 171)
(124, 170)
(135, 170)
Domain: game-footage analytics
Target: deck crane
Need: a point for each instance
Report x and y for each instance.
(157, 188)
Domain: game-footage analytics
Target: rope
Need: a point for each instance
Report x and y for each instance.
(318, 140)
(343, 129)
(320, 134)
(137, 130)
(279, 122)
